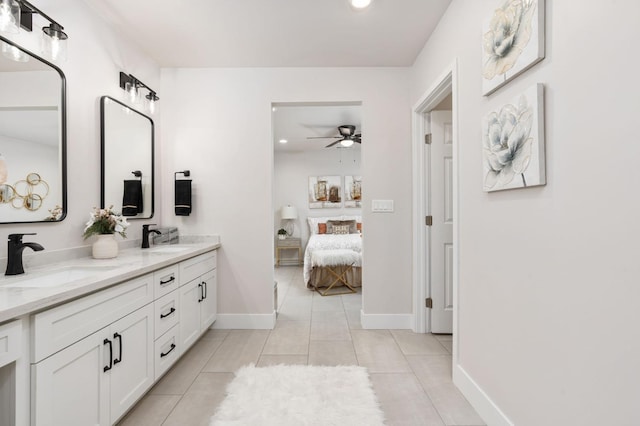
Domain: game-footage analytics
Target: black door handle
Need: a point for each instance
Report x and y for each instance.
(163, 354)
(119, 337)
(204, 293)
(110, 366)
(168, 313)
(200, 298)
(168, 281)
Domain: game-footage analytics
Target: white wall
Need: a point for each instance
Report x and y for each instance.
(291, 182)
(548, 296)
(96, 54)
(217, 123)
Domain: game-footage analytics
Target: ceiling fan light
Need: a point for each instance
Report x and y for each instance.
(283, 141)
(346, 143)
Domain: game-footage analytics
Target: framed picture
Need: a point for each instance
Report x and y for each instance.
(512, 42)
(325, 192)
(353, 191)
(513, 143)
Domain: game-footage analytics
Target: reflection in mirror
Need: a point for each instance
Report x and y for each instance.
(32, 138)
(127, 159)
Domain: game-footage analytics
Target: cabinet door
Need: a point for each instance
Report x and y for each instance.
(208, 306)
(190, 299)
(70, 387)
(132, 373)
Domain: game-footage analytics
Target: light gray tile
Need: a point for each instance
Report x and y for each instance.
(353, 316)
(178, 379)
(434, 373)
(288, 338)
(241, 347)
(403, 400)
(378, 351)
(327, 303)
(331, 352)
(329, 325)
(267, 360)
(352, 301)
(201, 400)
(418, 343)
(295, 308)
(152, 410)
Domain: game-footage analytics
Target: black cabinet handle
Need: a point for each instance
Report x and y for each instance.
(119, 337)
(168, 313)
(163, 354)
(204, 293)
(168, 281)
(110, 366)
(200, 298)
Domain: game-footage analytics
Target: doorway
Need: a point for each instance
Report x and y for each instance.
(435, 286)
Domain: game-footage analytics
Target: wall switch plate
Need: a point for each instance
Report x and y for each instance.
(382, 206)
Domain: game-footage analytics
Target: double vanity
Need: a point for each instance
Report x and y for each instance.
(82, 340)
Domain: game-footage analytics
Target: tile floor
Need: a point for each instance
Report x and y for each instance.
(411, 373)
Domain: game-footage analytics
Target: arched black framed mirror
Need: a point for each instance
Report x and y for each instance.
(33, 137)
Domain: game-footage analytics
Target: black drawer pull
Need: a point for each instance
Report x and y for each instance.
(204, 293)
(200, 298)
(119, 337)
(163, 354)
(110, 366)
(168, 313)
(173, 278)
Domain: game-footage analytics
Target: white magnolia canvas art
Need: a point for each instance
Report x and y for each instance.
(325, 192)
(353, 191)
(513, 143)
(513, 41)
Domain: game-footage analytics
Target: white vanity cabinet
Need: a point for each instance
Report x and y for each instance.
(198, 297)
(95, 380)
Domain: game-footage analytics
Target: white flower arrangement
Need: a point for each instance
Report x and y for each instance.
(105, 221)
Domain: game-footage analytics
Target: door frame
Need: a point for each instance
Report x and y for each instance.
(446, 83)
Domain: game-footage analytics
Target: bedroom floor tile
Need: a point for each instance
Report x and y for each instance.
(413, 386)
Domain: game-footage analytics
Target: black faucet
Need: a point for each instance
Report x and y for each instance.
(145, 234)
(15, 246)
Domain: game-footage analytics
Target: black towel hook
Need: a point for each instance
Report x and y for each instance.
(137, 173)
(186, 173)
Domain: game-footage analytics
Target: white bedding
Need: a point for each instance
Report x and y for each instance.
(329, 242)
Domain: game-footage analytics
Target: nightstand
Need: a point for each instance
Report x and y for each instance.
(288, 244)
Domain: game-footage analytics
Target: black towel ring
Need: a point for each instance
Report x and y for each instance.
(186, 173)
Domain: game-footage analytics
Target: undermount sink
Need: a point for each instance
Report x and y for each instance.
(166, 250)
(55, 278)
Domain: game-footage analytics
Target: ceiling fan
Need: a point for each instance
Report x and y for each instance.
(347, 136)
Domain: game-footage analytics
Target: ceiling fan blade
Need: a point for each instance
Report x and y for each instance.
(333, 143)
(357, 140)
(359, 135)
(323, 137)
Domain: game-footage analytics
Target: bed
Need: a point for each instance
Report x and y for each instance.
(324, 236)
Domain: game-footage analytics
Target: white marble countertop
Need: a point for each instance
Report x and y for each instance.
(44, 286)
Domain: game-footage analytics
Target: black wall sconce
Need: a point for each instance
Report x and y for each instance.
(131, 85)
(16, 14)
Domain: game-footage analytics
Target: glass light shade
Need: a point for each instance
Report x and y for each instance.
(288, 212)
(14, 53)
(9, 16)
(54, 43)
(152, 99)
(346, 143)
(133, 94)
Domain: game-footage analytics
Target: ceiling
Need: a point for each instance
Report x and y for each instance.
(275, 33)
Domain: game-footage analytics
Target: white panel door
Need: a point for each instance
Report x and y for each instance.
(132, 373)
(441, 207)
(190, 297)
(208, 306)
(70, 387)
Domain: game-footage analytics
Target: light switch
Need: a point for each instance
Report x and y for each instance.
(382, 206)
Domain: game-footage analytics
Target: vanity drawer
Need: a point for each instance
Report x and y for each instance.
(59, 327)
(167, 351)
(191, 269)
(166, 312)
(165, 280)
(10, 342)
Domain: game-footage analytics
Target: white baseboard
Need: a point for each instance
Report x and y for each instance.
(245, 321)
(389, 321)
(478, 399)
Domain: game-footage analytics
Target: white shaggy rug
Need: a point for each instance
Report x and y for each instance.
(300, 395)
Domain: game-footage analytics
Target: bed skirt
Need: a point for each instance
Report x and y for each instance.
(321, 277)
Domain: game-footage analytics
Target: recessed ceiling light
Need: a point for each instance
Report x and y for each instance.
(283, 141)
(360, 4)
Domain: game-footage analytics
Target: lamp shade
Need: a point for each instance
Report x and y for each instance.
(289, 212)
